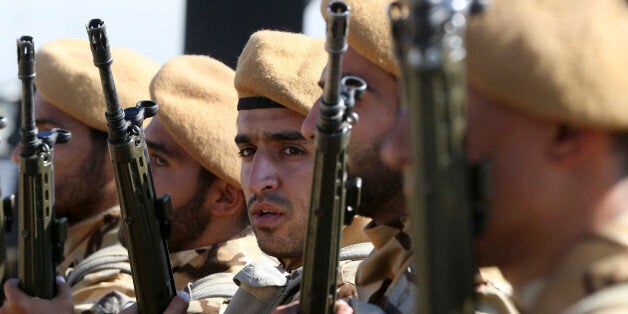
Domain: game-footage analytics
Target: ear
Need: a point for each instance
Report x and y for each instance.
(225, 198)
(572, 145)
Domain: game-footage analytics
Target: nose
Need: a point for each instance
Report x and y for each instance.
(308, 128)
(15, 154)
(261, 175)
(396, 149)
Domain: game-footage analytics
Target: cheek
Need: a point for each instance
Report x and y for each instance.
(244, 181)
(484, 132)
(69, 158)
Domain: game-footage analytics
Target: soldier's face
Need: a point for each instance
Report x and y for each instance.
(396, 149)
(382, 197)
(79, 168)
(175, 172)
(277, 164)
(522, 174)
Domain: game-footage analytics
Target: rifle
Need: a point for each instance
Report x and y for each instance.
(41, 234)
(429, 42)
(146, 217)
(333, 195)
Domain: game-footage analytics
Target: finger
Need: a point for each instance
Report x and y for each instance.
(12, 290)
(179, 303)
(63, 289)
(343, 307)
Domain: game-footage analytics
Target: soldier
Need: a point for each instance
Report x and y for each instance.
(370, 56)
(547, 108)
(69, 96)
(555, 134)
(193, 158)
(276, 81)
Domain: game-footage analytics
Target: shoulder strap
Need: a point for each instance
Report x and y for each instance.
(212, 286)
(112, 257)
(356, 251)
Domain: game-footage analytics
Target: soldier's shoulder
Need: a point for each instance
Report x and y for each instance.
(609, 300)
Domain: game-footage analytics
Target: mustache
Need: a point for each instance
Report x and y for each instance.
(272, 198)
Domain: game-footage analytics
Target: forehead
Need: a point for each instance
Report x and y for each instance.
(355, 64)
(260, 121)
(156, 130)
(45, 109)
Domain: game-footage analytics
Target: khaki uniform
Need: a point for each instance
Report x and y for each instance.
(104, 284)
(264, 286)
(386, 284)
(385, 277)
(89, 236)
(588, 280)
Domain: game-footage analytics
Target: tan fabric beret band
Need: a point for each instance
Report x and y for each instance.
(250, 103)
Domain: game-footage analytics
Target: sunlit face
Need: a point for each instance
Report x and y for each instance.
(78, 164)
(382, 186)
(277, 166)
(175, 172)
(522, 178)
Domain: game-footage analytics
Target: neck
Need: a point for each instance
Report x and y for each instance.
(538, 256)
(79, 212)
(220, 229)
(393, 213)
(290, 264)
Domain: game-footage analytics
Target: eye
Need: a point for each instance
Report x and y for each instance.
(293, 150)
(158, 161)
(246, 152)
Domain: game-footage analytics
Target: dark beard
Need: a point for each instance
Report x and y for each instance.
(191, 218)
(382, 187)
(76, 197)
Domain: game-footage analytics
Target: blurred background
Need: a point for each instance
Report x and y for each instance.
(160, 29)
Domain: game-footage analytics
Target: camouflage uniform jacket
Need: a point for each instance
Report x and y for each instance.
(264, 286)
(106, 284)
(89, 236)
(591, 278)
(385, 277)
(386, 284)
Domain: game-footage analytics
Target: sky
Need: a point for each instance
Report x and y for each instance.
(155, 28)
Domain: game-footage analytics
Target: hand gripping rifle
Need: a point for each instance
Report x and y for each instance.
(429, 40)
(41, 234)
(332, 192)
(146, 217)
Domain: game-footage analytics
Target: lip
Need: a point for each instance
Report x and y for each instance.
(265, 215)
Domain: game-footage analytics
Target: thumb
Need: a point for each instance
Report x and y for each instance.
(179, 303)
(12, 290)
(63, 289)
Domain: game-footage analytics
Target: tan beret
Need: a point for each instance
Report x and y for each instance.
(555, 59)
(369, 31)
(197, 105)
(67, 78)
(283, 67)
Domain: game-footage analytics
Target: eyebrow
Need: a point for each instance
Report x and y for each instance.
(158, 147)
(321, 81)
(285, 136)
(281, 136)
(242, 138)
(51, 122)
